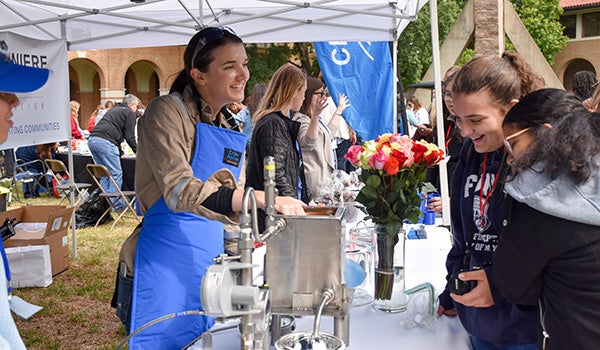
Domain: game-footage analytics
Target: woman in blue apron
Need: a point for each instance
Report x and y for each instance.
(188, 164)
(14, 79)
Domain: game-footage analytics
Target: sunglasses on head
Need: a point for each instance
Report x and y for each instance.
(209, 35)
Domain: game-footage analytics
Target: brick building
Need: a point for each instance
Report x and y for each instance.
(581, 19)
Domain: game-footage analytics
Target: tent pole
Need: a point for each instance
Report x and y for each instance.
(395, 36)
(63, 34)
(435, 44)
(395, 90)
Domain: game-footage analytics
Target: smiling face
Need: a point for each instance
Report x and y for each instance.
(8, 101)
(480, 119)
(226, 76)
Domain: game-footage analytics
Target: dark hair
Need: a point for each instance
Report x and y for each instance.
(583, 83)
(312, 85)
(596, 99)
(258, 91)
(573, 145)
(505, 78)
(451, 73)
(541, 106)
(203, 57)
(568, 146)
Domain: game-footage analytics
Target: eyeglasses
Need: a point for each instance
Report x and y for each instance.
(507, 143)
(322, 93)
(209, 35)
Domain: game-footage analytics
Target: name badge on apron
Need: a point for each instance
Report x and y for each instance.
(218, 148)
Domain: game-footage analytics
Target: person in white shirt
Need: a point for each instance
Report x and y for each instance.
(344, 136)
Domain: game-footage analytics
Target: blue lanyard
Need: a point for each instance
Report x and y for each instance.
(300, 184)
(6, 269)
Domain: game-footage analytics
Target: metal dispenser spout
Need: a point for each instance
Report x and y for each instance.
(272, 224)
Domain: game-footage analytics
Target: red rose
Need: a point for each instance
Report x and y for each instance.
(391, 166)
(419, 151)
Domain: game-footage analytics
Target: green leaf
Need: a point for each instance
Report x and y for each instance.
(374, 181)
(369, 192)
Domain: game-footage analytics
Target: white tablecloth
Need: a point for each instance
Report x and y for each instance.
(369, 329)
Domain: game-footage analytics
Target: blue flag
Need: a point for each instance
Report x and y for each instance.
(363, 71)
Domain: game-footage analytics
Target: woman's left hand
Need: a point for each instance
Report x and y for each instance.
(289, 206)
(343, 103)
(481, 295)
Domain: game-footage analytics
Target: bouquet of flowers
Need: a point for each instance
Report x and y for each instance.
(393, 169)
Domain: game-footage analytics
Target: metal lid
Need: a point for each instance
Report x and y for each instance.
(306, 341)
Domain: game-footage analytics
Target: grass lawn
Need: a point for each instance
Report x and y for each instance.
(77, 312)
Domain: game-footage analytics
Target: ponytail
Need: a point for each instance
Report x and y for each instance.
(181, 81)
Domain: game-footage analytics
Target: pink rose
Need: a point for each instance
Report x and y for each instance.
(378, 160)
(353, 152)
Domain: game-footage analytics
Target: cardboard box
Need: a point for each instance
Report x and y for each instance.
(54, 222)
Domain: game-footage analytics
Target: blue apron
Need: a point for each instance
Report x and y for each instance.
(174, 250)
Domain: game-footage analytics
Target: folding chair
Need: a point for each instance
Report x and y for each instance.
(28, 173)
(97, 172)
(7, 169)
(57, 167)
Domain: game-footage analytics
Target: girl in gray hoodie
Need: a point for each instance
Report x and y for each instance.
(549, 253)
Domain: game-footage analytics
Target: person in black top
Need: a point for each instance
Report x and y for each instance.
(118, 124)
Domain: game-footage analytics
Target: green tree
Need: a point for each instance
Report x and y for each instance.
(540, 17)
(414, 44)
(263, 60)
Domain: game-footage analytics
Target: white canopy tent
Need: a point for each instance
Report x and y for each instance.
(105, 24)
(92, 24)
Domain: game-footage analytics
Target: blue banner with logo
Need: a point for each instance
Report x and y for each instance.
(363, 71)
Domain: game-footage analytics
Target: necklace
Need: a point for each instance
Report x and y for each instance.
(481, 219)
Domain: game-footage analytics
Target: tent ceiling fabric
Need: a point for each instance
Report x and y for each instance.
(103, 24)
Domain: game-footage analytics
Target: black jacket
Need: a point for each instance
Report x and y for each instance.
(557, 260)
(276, 135)
(118, 124)
(503, 323)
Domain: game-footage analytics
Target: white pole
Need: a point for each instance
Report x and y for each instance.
(435, 44)
(63, 32)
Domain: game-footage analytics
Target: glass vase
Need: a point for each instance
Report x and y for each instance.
(389, 272)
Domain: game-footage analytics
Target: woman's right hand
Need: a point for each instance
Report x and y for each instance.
(318, 105)
(289, 206)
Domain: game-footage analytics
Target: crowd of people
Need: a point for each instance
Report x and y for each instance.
(523, 171)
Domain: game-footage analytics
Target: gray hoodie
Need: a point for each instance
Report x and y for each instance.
(558, 197)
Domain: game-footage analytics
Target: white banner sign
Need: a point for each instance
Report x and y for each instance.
(43, 115)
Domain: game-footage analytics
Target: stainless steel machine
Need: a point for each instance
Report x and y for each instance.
(303, 273)
(306, 260)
